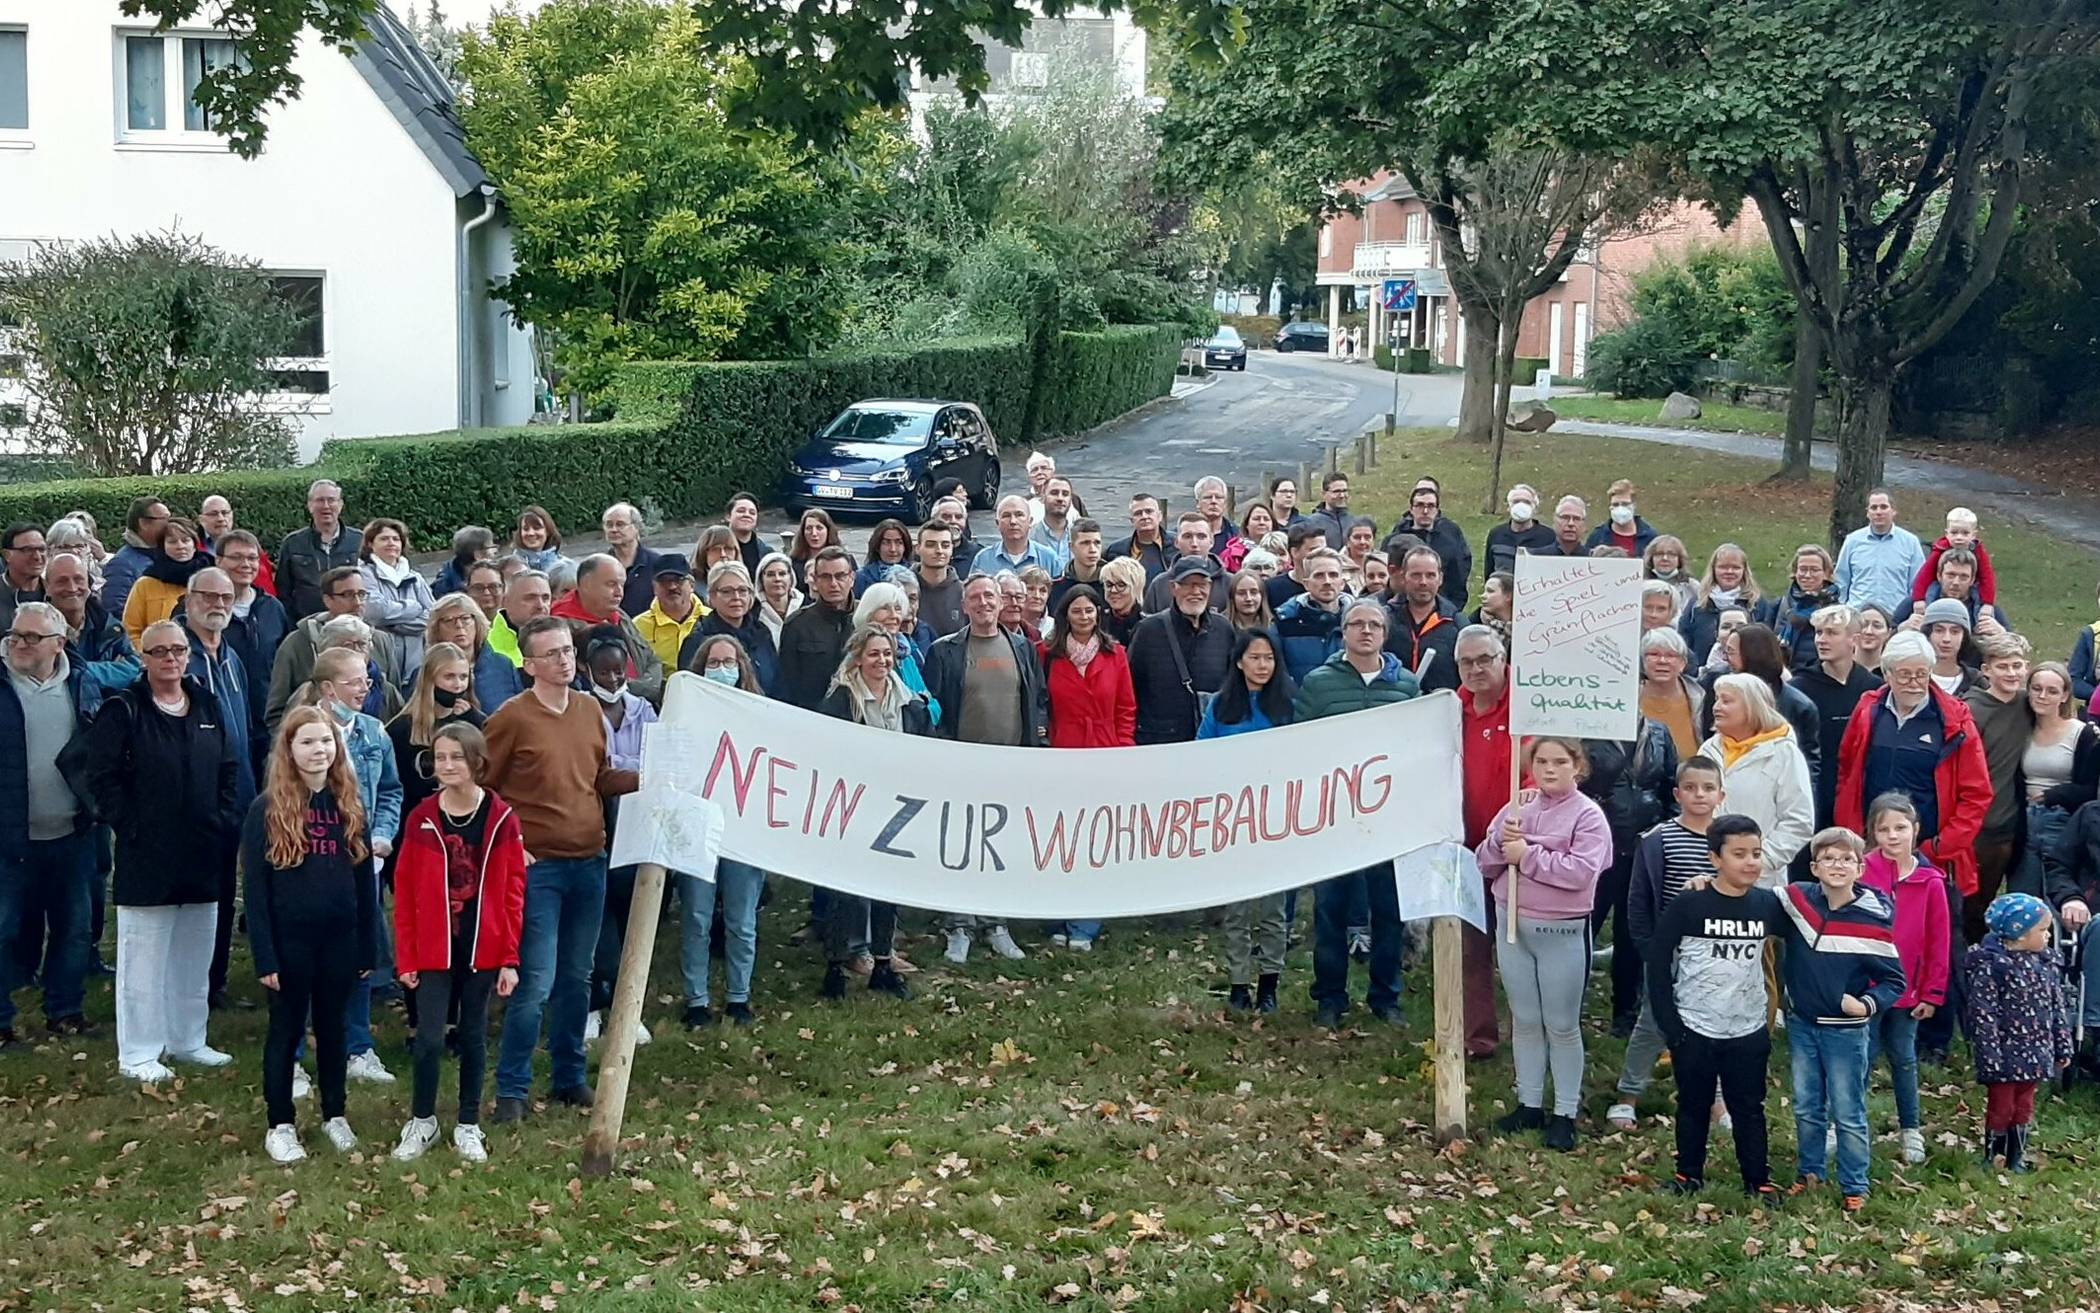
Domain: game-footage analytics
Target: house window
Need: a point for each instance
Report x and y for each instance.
(1326, 240)
(14, 80)
(154, 101)
(304, 366)
(1414, 228)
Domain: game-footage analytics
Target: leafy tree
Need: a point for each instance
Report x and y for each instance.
(645, 225)
(148, 355)
(1713, 304)
(437, 39)
(265, 37)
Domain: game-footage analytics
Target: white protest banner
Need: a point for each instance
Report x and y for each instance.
(1051, 834)
(1575, 647)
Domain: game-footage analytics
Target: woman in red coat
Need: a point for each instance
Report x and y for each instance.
(459, 909)
(1086, 674)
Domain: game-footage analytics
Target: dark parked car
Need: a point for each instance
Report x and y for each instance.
(1306, 335)
(1225, 350)
(885, 456)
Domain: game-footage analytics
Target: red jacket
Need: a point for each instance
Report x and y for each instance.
(422, 909)
(1485, 758)
(1961, 783)
(1094, 710)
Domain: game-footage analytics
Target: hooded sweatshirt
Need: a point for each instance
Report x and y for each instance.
(1570, 845)
(1832, 952)
(1920, 899)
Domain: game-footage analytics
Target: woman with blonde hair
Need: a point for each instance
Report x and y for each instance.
(721, 659)
(1728, 585)
(313, 915)
(1665, 560)
(458, 620)
(779, 584)
(1764, 774)
(1122, 597)
(443, 695)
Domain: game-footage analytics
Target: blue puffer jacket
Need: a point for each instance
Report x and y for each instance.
(14, 751)
(1309, 634)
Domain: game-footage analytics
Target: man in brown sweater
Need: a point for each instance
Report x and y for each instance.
(547, 759)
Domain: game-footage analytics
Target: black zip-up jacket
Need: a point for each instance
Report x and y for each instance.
(812, 643)
(1165, 711)
(1449, 543)
(301, 561)
(167, 785)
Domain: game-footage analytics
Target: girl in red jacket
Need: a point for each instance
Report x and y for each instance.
(1919, 891)
(459, 908)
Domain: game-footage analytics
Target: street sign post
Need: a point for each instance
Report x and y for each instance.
(1397, 294)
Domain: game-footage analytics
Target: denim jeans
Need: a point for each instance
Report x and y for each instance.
(49, 885)
(564, 902)
(1333, 904)
(357, 1020)
(739, 886)
(1830, 1071)
(1895, 1033)
(1087, 930)
(2045, 826)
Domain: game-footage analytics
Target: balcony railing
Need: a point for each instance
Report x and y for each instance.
(1380, 259)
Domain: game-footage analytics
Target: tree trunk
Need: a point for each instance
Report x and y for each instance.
(1801, 397)
(1476, 406)
(1505, 380)
(1862, 447)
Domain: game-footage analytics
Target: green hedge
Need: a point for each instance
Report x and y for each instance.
(433, 482)
(1524, 370)
(1095, 377)
(688, 435)
(1412, 360)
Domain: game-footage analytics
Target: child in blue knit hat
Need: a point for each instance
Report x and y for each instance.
(2018, 1026)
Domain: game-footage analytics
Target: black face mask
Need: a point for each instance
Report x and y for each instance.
(446, 698)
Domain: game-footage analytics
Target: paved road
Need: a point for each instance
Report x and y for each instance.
(2071, 518)
(1283, 410)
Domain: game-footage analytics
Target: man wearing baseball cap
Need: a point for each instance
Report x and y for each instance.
(671, 616)
(1179, 657)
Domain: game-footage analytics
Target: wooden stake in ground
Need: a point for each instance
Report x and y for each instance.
(616, 1055)
(1450, 1057)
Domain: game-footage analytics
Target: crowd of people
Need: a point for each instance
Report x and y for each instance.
(401, 786)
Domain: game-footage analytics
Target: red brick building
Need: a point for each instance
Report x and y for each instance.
(1393, 238)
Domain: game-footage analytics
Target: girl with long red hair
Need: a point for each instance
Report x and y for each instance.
(313, 915)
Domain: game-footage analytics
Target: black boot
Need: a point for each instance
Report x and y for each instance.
(1242, 999)
(1265, 994)
(2016, 1150)
(1523, 1119)
(885, 980)
(835, 981)
(1994, 1148)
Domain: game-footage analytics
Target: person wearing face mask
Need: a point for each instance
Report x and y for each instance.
(720, 659)
(626, 717)
(1625, 529)
(1523, 532)
(444, 695)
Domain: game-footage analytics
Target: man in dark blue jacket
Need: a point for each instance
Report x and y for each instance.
(257, 628)
(1310, 625)
(47, 862)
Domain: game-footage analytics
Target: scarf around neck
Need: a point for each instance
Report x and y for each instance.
(885, 712)
(1081, 654)
(1734, 750)
(171, 571)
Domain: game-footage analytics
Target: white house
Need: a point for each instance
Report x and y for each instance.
(365, 204)
(1112, 41)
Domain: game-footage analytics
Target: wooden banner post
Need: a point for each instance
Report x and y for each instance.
(1449, 953)
(616, 1057)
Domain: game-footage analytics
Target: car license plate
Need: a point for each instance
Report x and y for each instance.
(826, 490)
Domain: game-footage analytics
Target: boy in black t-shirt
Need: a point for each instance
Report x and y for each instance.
(1706, 983)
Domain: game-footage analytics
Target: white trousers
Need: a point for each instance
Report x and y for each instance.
(163, 980)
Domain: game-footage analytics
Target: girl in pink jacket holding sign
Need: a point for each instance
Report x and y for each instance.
(1553, 844)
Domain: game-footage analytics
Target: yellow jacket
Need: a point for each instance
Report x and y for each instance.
(665, 635)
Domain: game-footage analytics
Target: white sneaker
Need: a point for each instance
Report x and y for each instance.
(1914, 1146)
(1060, 939)
(469, 1143)
(641, 1034)
(1076, 945)
(416, 1136)
(339, 1134)
(366, 1066)
(150, 1073)
(302, 1084)
(1003, 944)
(1623, 1117)
(958, 947)
(593, 1027)
(282, 1144)
(205, 1056)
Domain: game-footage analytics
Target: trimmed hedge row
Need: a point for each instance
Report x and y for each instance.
(688, 435)
(1095, 377)
(433, 482)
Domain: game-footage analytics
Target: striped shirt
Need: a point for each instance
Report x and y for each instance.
(1684, 859)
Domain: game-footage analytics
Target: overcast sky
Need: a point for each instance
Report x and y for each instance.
(461, 12)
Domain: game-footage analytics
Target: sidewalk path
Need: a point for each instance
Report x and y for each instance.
(2073, 519)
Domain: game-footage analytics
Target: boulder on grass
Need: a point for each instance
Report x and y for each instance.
(1531, 417)
(1680, 405)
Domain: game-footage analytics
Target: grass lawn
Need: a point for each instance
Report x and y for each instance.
(2044, 585)
(1714, 416)
(1089, 1132)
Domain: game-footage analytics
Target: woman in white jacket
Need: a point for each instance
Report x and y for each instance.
(1763, 774)
(397, 597)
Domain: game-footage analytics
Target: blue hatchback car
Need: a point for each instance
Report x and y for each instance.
(883, 457)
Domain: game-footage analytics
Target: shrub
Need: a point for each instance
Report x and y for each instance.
(1645, 358)
(1095, 377)
(1411, 360)
(1258, 330)
(1524, 370)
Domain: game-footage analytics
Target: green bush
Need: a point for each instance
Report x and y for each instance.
(1645, 358)
(1259, 330)
(1411, 360)
(1524, 370)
